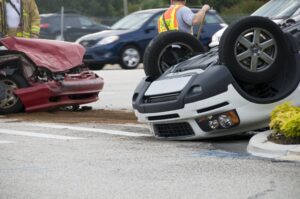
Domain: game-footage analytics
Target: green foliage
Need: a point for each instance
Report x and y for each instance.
(114, 8)
(291, 127)
(285, 118)
(243, 7)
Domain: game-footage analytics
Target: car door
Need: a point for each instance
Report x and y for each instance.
(83, 27)
(72, 26)
(149, 31)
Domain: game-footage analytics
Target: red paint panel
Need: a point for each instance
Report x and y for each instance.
(71, 91)
(57, 56)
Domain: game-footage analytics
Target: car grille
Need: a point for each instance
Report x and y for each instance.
(89, 43)
(173, 130)
(161, 98)
(163, 117)
(87, 57)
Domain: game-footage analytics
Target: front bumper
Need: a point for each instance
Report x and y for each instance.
(73, 90)
(181, 124)
(176, 115)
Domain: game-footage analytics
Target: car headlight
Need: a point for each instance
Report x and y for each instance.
(219, 121)
(108, 40)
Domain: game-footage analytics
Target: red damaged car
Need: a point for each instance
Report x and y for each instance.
(40, 74)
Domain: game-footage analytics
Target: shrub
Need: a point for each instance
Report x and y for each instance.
(285, 119)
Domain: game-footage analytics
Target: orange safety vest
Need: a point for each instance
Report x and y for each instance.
(170, 19)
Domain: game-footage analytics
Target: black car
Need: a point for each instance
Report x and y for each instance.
(75, 26)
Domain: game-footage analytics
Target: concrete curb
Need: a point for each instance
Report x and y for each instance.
(260, 146)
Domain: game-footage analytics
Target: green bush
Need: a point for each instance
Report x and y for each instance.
(285, 119)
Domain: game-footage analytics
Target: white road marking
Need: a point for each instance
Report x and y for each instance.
(96, 130)
(38, 135)
(6, 142)
(108, 93)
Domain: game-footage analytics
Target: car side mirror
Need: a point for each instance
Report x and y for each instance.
(150, 28)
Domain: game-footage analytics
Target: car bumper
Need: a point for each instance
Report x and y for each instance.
(73, 90)
(182, 123)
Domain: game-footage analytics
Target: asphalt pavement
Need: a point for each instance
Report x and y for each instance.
(91, 160)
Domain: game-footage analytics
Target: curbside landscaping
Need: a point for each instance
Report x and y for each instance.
(260, 146)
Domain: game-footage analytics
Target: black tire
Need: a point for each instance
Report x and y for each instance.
(14, 105)
(95, 66)
(130, 57)
(249, 60)
(161, 54)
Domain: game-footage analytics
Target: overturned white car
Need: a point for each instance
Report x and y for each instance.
(228, 90)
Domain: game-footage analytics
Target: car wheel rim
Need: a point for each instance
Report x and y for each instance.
(173, 54)
(131, 57)
(256, 50)
(10, 98)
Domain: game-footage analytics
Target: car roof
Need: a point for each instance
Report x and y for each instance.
(58, 14)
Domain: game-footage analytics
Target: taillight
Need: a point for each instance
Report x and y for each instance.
(44, 25)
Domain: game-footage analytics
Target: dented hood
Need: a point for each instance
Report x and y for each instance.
(55, 55)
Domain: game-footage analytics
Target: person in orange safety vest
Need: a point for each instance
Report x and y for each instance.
(181, 18)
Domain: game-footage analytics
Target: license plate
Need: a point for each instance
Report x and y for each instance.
(167, 86)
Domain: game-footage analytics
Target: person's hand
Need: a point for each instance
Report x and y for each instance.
(205, 8)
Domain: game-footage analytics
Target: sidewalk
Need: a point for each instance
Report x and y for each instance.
(260, 146)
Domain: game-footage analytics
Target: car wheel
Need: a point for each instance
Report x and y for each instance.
(130, 57)
(95, 66)
(11, 103)
(253, 49)
(168, 49)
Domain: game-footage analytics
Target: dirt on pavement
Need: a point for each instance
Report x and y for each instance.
(88, 116)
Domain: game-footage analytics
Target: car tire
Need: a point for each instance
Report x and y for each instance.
(95, 66)
(168, 49)
(253, 49)
(11, 103)
(130, 57)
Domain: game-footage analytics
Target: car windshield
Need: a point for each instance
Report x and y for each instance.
(132, 21)
(278, 9)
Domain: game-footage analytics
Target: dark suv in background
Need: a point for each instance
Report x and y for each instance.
(75, 26)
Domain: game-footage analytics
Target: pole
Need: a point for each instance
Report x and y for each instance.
(125, 4)
(62, 24)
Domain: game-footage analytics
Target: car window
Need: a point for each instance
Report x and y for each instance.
(153, 22)
(84, 21)
(132, 21)
(72, 21)
(50, 20)
(211, 19)
(278, 9)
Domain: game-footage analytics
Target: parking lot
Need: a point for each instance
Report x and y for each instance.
(108, 154)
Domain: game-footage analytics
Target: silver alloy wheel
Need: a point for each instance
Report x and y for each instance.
(163, 64)
(256, 50)
(10, 98)
(131, 57)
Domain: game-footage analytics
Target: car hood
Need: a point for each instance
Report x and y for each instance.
(57, 56)
(103, 34)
